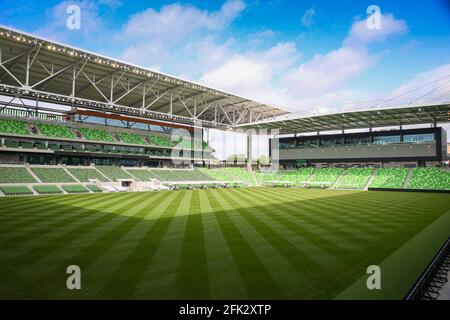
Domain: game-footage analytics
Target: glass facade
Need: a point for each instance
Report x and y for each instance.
(386, 139)
(288, 145)
(418, 138)
(365, 139)
(357, 140)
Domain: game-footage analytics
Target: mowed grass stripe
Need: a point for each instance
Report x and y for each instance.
(94, 247)
(224, 279)
(310, 233)
(192, 274)
(65, 234)
(55, 220)
(358, 227)
(120, 251)
(134, 264)
(254, 273)
(246, 264)
(298, 259)
(306, 236)
(352, 220)
(161, 272)
(28, 214)
(56, 211)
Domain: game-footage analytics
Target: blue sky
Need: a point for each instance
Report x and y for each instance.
(273, 42)
(304, 56)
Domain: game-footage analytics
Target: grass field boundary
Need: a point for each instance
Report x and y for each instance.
(414, 257)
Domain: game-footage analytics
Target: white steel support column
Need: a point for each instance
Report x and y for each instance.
(249, 150)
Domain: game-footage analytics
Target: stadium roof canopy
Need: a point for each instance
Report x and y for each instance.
(46, 71)
(371, 118)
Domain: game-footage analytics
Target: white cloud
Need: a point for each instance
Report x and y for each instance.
(430, 86)
(325, 73)
(307, 18)
(360, 35)
(195, 44)
(174, 22)
(181, 39)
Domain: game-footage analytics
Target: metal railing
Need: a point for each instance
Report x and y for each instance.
(428, 286)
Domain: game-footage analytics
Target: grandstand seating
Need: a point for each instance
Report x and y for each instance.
(96, 135)
(46, 189)
(131, 138)
(325, 177)
(53, 175)
(429, 179)
(160, 141)
(166, 175)
(142, 174)
(389, 178)
(114, 173)
(192, 175)
(217, 174)
(239, 174)
(57, 131)
(16, 190)
(15, 175)
(13, 127)
(266, 177)
(355, 178)
(84, 174)
(94, 188)
(74, 188)
(297, 176)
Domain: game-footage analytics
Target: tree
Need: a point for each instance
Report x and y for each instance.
(263, 160)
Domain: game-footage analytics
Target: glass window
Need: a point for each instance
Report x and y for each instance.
(330, 141)
(355, 141)
(308, 143)
(386, 139)
(287, 145)
(418, 138)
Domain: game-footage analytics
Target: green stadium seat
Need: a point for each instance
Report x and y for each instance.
(131, 138)
(192, 175)
(75, 188)
(94, 188)
(325, 177)
(114, 173)
(45, 189)
(16, 190)
(389, 178)
(84, 174)
(15, 175)
(160, 141)
(51, 130)
(53, 175)
(166, 175)
(355, 178)
(96, 135)
(13, 127)
(429, 179)
(142, 174)
(239, 174)
(217, 174)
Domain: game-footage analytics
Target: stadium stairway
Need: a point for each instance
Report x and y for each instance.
(369, 183)
(70, 174)
(336, 183)
(27, 166)
(408, 179)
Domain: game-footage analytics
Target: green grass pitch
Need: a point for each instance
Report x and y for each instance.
(260, 243)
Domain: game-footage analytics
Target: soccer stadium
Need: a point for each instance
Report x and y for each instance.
(108, 166)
